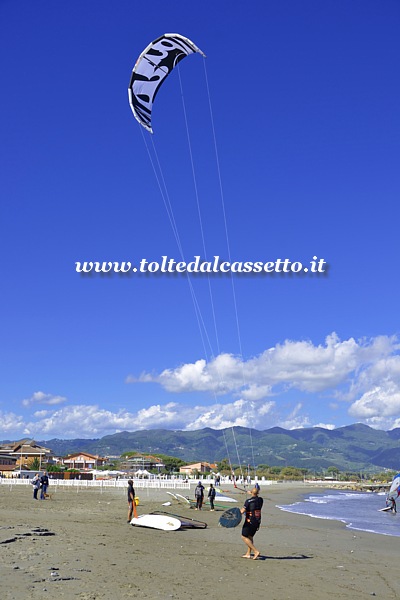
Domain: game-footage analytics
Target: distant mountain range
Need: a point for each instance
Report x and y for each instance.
(351, 448)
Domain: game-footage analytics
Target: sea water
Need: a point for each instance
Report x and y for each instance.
(358, 510)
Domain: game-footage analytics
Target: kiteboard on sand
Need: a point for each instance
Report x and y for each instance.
(230, 518)
(182, 498)
(221, 498)
(166, 523)
(186, 522)
(172, 496)
(179, 498)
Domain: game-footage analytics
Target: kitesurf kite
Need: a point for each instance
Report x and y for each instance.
(152, 67)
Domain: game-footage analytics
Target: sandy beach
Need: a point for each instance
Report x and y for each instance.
(79, 545)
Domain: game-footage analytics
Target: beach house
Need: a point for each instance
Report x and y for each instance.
(25, 452)
(83, 461)
(197, 469)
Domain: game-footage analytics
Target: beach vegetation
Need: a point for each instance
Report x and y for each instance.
(334, 471)
(171, 463)
(34, 464)
(224, 467)
(291, 473)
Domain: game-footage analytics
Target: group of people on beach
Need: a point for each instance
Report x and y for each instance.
(251, 510)
(199, 496)
(40, 483)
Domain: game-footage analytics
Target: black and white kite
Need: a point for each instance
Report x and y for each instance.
(152, 67)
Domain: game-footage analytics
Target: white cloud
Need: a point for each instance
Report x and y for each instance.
(365, 372)
(42, 398)
(92, 421)
(376, 394)
(295, 419)
(80, 421)
(238, 413)
(299, 365)
(256, 392)
(10, 422)
(378, 401)
(41, 414)
(220, 376)
(261, 392)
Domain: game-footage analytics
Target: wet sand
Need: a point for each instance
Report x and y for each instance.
(78, 545)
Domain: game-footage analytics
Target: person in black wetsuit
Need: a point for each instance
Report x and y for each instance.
(131, 499)
(199, 495)
(211, 496)
(391, 502)
(252, 510)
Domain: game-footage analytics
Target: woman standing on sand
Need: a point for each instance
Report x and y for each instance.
(252, 509)
(36, 486)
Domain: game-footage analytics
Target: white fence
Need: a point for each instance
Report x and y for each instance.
(161, 484)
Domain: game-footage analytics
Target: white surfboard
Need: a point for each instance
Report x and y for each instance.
(172, 495)
(157, 522)
(221, 498)
(182, 498)
(385, 509)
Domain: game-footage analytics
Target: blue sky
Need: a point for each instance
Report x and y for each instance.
(305, 105)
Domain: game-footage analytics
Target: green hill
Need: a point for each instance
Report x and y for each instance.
(354, 447)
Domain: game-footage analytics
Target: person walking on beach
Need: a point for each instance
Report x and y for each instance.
(252, 509)
(36, 485)
(199, 495)
(131, 501)
(44, 484)
(211, 496)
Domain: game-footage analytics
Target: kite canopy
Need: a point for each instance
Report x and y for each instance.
(152, 67)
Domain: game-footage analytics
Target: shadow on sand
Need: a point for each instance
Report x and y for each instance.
(299, 557)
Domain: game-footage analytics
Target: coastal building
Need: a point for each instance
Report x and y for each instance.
(197, 468)
(25, 452)
(7, 463)
(83, 461)
(141, 462)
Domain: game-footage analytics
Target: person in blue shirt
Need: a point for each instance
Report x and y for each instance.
(44, 484)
